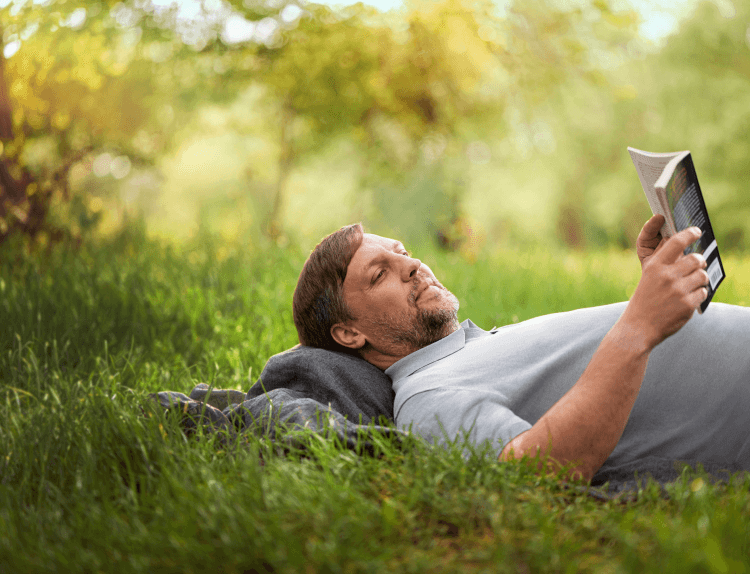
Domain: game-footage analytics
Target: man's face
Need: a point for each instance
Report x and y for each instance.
(398, 304)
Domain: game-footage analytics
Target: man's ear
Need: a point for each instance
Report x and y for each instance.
(347, 336)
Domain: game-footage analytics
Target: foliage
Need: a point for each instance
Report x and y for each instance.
(62, 99)
(700, 87)
(451, 120)
(88, 79)
(108, 87)
(412, 88)
(92, 478)
(692, 93)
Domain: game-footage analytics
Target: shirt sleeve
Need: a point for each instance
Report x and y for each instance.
(445, 415)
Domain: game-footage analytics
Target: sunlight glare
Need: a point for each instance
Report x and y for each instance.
(659, 18)
(237, 29)
(188, 10)
(11, 48)
(290, 13)
(266, 30)
(76, 19)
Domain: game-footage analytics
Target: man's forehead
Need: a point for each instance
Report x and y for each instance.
(378, 241)
(371, 247)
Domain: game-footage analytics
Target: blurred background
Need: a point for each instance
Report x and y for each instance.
(465, 123)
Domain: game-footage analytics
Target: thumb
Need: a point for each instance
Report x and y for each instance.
(651, 229)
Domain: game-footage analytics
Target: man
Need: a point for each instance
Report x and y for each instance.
(571, 388)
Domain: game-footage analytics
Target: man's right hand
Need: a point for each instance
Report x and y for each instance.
(672, 286)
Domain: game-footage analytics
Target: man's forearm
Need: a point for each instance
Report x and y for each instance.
(584, 426)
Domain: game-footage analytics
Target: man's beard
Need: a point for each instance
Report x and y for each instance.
(399, 330)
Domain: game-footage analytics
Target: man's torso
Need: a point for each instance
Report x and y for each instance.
(694, 403)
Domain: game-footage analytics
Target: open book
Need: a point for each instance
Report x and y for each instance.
(672, 189)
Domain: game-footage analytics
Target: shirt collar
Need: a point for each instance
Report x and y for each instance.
(431, 353)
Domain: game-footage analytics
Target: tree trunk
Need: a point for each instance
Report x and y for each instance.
(273, 227)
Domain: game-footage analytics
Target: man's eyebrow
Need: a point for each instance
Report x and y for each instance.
(397, 246)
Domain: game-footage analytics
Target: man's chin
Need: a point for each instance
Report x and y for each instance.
(402, 333)
(435, 323)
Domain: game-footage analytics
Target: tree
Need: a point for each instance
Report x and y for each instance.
(80, 78)
(410, 89)
(698, 87)
(413, 88)
(693, 93)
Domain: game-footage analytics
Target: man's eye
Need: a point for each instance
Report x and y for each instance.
(379, 275)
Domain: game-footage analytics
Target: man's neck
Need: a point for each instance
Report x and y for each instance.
(385, 357)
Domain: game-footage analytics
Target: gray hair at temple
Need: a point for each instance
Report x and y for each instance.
(318, 301)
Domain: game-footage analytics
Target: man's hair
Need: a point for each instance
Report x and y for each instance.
(318, 301)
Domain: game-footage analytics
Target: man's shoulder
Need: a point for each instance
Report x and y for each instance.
(432, 355)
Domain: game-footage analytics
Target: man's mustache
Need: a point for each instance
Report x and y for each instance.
(419, 286)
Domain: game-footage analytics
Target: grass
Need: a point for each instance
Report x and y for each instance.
(92, 478)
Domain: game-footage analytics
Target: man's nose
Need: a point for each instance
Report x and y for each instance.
(410, 268)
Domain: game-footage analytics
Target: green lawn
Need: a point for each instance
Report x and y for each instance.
(94, 479)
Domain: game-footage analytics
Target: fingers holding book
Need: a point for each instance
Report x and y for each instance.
(674, 246)
(671, 288)
(691, 267)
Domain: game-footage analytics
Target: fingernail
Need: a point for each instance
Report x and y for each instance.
(698, 230)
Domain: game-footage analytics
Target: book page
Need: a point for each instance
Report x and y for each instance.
(650, 166)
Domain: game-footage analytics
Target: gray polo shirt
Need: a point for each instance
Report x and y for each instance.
(694, 403)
